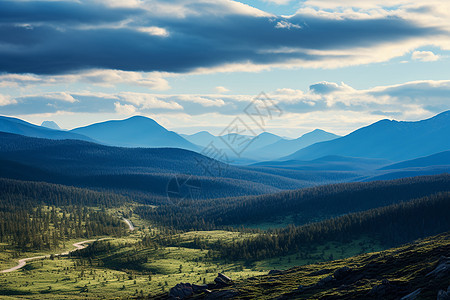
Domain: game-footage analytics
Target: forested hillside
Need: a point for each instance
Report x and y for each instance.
(36, 215)
(142, 169)
(301, 206)
(391, 225)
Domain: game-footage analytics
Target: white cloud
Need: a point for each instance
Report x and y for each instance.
(287, 25)
(148, 101)
(61, 96)
(279, 2)
(424, 56)
(221, 89)
(104, 78)
(154, 30)
(6, 100)
(124, 109)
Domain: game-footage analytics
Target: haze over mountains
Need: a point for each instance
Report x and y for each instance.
(377, 145)
(17, 126)
(386, 139)
(134, 132)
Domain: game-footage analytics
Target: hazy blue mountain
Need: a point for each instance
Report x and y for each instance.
(202, 138)
(136, 131)
(51, 125)
(284, 147)
(17, 126)
(263, 140)
(438, 159)
(330, 163)
(386, 139)
(144, 169)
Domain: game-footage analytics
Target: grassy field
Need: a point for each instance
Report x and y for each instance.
(131, 269)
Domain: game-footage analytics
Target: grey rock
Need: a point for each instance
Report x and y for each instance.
(275, 272)
(199, 288)
(181, 291)
(223, 280)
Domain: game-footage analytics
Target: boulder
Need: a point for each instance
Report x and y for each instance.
(181, 291)
(199, 288)
(223, 280)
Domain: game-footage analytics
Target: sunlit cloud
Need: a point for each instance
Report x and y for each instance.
(424, 56)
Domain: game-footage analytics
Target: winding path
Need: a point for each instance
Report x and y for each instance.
(78, 246)
(23, 262)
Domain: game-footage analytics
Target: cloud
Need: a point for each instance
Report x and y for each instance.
(331, 106)
(287, 25)
(328, 87)
(124, 109)
(182, 36)
(148, 101)
(279, 2)
(104, 78)
(221, 89)
(424, 56)
(395, 100)
(6, 100)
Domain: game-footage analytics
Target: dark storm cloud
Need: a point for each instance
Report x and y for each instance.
(64, 12)
(63, 37)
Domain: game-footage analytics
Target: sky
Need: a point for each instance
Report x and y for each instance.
(197, 65)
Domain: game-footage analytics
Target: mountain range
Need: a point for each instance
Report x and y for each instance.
(386, 139)
(17, 126)
(380, 144)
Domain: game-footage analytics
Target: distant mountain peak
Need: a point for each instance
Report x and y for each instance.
(51, 125)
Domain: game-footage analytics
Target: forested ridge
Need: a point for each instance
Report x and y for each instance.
(303, 205)
(391, 225)
(36, 215)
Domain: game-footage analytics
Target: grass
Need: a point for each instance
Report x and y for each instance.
(404, 267)
(130, 269)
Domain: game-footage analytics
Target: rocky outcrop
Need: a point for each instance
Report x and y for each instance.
(181, 291)
(186, 290)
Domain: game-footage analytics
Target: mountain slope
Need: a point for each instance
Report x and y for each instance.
(51, 125)
(420, 268)
(144, 169)
(135, 132)
(331, 162)
(17, 126)
(438, 159)
(386, 139)
(285, 147)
